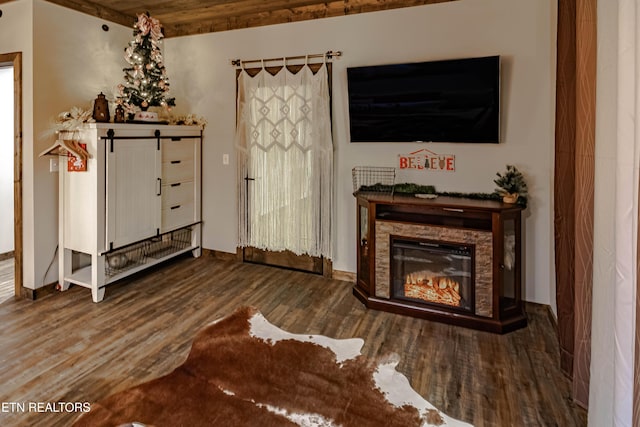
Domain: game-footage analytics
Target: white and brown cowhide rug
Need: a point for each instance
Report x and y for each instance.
(244, 371)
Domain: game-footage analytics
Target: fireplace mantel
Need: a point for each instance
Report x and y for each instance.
(492, 231)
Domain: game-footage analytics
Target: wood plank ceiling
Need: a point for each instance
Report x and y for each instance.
(187, 17)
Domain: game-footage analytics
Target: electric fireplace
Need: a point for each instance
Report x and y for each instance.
(433, 272)
(447, 259)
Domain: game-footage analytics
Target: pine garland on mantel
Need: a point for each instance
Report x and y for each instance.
(412, 189)
(475, 196)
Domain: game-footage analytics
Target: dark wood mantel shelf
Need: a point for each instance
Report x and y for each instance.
(491, 229)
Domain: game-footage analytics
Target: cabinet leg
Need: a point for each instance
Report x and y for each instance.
(97, 294)
(196, 234)
(97, 277)
(64, 268)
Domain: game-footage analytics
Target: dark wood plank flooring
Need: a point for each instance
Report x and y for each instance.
(65, 348)
(6, 279)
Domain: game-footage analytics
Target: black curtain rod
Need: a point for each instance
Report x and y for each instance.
(330, 54)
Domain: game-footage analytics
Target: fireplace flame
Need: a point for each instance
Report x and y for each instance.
(438, 289)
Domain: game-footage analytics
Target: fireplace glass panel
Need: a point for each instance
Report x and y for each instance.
(431, 272)
(508, 295)
(363, 259)
(364, 225)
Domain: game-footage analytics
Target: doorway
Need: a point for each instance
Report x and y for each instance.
(285, 155)
(11, 162)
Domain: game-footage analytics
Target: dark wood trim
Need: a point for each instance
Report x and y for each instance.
(15, 59)
(573, 187)
(564, 181)
(256, 16)
(285, 259)
(219, 255)
(7, 255)
(586, 58)
(345, 276)
(34, 294)
(94, 9)
(190, 17)
(328, 270)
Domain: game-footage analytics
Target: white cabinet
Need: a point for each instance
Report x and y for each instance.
(133, 191)
(137, 204)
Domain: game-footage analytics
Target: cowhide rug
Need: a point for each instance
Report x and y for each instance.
(244, 371)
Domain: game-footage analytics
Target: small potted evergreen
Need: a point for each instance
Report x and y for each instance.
(511, 185)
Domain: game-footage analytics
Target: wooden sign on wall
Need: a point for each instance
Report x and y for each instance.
(427, 160)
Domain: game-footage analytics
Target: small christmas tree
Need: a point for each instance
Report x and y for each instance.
(146, 82)
(512, 183)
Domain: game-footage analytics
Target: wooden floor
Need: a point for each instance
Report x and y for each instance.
(6, 279)
(65, 348)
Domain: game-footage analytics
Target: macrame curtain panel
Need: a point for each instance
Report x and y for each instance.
(285, 155)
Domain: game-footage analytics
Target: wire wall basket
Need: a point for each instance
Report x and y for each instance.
(131, 256)
(376, 179)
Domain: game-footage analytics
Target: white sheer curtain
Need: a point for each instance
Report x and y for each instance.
(284, 146)
(616, 217)
(626, 179)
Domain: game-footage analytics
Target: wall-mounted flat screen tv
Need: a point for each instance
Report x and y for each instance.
(439, 101)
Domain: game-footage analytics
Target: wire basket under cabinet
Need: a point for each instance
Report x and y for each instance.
(168, 243)
(124, 259)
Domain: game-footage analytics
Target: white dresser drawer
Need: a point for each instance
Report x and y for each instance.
(179, 193)
(177, 171)
(177, 216)
(178, 150)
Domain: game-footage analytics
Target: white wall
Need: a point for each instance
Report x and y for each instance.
(74, 60)
(521, 31)
(6, 159)
(16, 35)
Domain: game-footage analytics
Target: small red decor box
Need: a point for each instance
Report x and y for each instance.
(75, 164)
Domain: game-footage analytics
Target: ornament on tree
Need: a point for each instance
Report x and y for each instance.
(145, 80)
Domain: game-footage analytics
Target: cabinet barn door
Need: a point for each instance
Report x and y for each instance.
(133, 191)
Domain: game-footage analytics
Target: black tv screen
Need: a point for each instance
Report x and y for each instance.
(440, 101)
